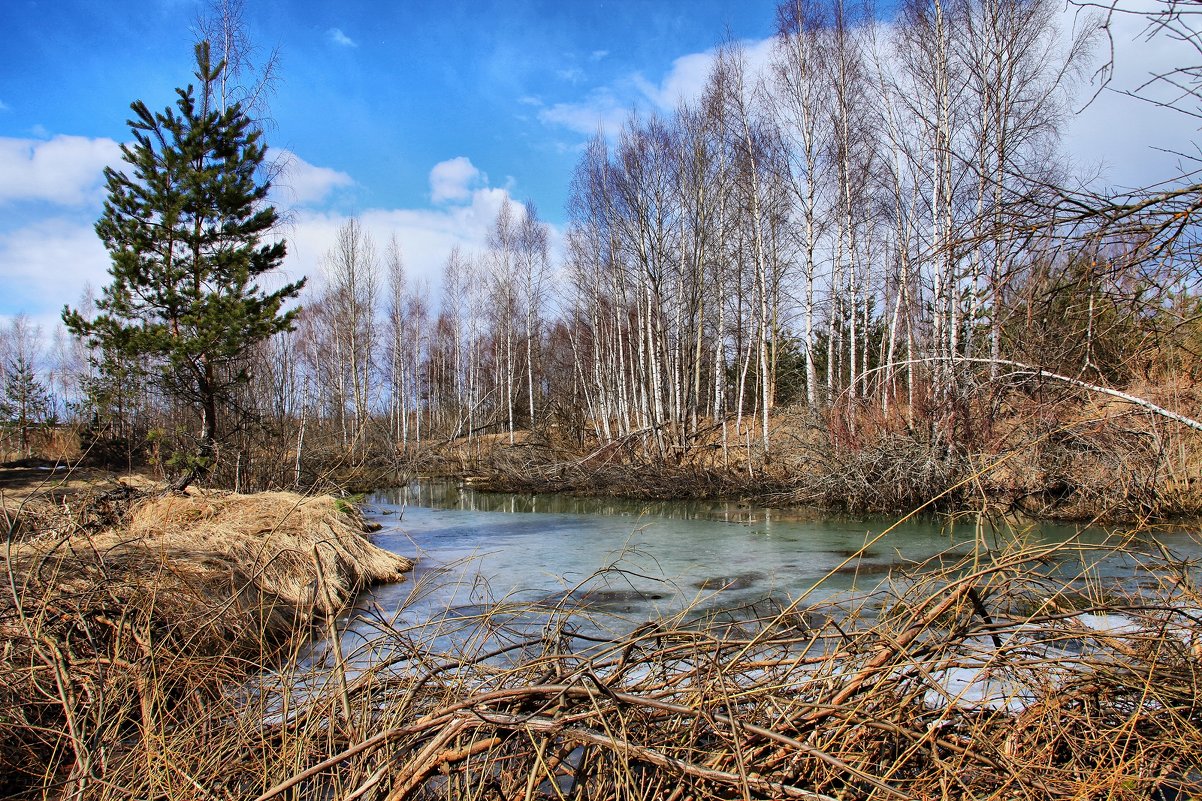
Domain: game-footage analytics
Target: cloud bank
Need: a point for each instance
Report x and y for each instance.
(64, 170)
(46, 263)
(606, 108)
(467, 207)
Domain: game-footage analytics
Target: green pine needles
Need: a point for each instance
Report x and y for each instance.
(185, 223)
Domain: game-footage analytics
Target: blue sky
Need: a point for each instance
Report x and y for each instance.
(372, 98)
(381, 91)
(420, 117)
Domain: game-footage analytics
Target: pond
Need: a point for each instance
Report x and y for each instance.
(501, 560)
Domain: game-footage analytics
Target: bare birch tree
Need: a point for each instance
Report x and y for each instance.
(352, 270)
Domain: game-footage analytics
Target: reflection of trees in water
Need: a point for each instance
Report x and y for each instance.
(457, 495)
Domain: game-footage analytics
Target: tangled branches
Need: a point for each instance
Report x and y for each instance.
(1006, 673)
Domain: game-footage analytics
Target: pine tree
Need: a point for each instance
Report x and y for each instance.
(25, 402)
(185, 223)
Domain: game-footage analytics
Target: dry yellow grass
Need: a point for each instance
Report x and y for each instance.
(160, 613)
(308, 552)
(215, 560)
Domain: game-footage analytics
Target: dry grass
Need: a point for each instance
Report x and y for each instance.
(43, 499)
(60, 443)
(308, 553)
(108, 634)
(997, 671)
(1049, 453)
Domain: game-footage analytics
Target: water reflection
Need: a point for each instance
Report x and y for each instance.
(462, 496)
(623, 562)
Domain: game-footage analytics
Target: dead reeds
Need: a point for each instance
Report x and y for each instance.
(1004, 670)
(114, 637)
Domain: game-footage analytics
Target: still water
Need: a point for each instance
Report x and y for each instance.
(628, 561)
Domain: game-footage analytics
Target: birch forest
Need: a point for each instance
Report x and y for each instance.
(871, 237)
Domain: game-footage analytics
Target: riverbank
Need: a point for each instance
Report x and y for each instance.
(127, 609)
(1070, 459)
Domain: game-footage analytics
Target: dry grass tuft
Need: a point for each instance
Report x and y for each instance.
(108, 635)
(309, 553)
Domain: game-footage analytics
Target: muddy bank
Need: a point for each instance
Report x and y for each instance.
(1106, 473)
(641, 481)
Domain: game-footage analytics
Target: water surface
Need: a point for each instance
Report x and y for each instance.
(631, 561)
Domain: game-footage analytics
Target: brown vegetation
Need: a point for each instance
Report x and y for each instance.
(1046, 453)
(985, 673)
(132, 609)
(822, 284)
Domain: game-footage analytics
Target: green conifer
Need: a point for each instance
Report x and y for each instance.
(24, 402)
(185, 223)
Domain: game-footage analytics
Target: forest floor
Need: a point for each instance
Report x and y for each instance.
(24, 477)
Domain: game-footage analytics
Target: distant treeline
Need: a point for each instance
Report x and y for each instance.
(874, 223)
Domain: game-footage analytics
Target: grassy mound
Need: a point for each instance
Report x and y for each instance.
(106, 631)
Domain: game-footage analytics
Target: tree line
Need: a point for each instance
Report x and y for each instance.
(873, 222)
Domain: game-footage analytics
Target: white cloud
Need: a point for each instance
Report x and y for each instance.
(686, 79)
(425, 236)
(46, 264)
(597, 55)
(341, 39)
(601, 109)
(1134, 142)
(3, 106)
(302, 183)
(608, 107)
(67, 170)
(453, 180)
